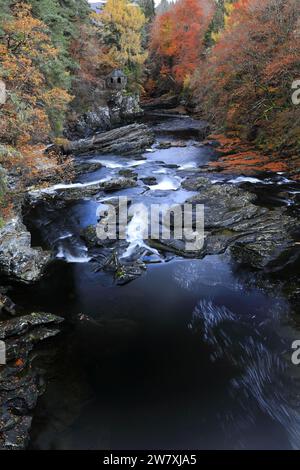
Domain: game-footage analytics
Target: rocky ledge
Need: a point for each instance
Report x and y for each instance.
(21, 382)
(67, 192)
(127, 140)
(119, 108)
(18, 259)
(256, 236)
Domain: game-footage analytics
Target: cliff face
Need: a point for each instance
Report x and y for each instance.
(117, 108)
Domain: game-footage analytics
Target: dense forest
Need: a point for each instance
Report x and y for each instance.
(233, 61)
(237, 60)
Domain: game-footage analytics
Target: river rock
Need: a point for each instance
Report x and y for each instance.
(20, 382)
(255, 236)
(183, 126)
(6, 304)
(128, 140)
(81, 166)
(80, 190)
(128, 173)
(166, 144)
(196, 183)
(149, 180)
(18, 259)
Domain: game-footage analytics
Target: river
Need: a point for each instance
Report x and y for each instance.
(194, 353)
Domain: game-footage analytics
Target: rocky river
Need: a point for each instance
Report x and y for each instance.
(146, 344)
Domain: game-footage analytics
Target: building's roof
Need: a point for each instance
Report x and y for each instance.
(117, 73)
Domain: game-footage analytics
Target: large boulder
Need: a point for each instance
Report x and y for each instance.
(93, 121)
(255, 235)
(127, 140)
(120, 108)
(18, 259)
(124, 107)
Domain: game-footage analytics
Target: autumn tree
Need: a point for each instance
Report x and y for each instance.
(148, 8)
(123, 23)
(178, 39)
(245, 83)
(220, 19)
(25, 49)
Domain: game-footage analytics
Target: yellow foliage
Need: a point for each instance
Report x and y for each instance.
(123, 23)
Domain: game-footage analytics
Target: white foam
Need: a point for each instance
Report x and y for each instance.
(107, 163)
(244, 179)
(166, 184)
(136, 163)
(65, 254)
(80, 257)
(137, 232)
(188, 166)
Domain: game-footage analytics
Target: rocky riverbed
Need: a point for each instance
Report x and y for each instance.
(118, 297)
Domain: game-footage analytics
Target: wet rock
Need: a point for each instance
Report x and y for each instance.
(21, 325)
(195, 183)
(164, 145)
(20, 382)
(128, 272)
(7, 305)
(225, 205)
(116, 108)
(268, 243)
(256, 236)
(91, 239)
(127, 173)
(183, 127)
(127, 140)
(167, 145)
(149, 180)
(85, 167)
(80, 190)
(18, 259)
(124, 271)
(171, 166)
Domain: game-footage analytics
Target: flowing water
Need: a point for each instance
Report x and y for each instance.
(192, 354)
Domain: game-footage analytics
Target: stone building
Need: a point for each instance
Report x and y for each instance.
(116, 80)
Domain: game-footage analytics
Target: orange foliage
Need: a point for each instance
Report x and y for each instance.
(238, 157)
(177, 38)
(26, 46)
(245, 82)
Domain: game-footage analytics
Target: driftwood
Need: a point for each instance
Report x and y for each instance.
(127, 140)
